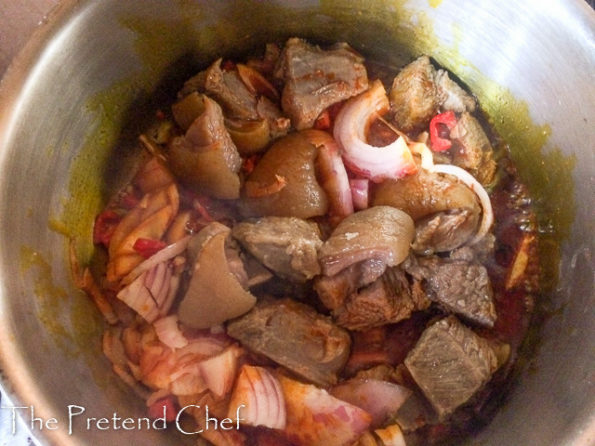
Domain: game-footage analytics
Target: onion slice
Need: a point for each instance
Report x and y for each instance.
(359, 192)
(169, 252)
(376, 163)
(261, 394)
(219, 372)
(331, 170)
(169, 333)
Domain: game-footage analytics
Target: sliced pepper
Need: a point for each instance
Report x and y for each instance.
(439, 142)
(105, 225)
(146, 247)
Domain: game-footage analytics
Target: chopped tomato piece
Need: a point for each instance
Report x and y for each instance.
(105, 225)
(440, 127)
(146, 247)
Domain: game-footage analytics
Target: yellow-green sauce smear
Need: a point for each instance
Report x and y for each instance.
(53, 302)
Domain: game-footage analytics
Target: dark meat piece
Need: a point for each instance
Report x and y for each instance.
(296, 337)
(315, 79)
(472, 149)
(419, 91)
(450, 363)
(227, 88)
(205, 157)
(458, 286)
(446, 212)
(381, 232)
(236, 99)
(388, 300)
(451, 96)
(333, 290)
(444, 231)
(425, 194)
(415, 413)
(414, 96)
(287, 245)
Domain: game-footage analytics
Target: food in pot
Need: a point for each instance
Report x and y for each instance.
(334, 260)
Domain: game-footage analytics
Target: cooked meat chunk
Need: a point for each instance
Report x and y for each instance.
(287, 245)
(413, 95)
(472, 149)
(227, 88)
(236, 99)
(315, 79)
(419, 91)
(284, 182)
(415, 413)
(450, 363)
(388, 300)
(444, 231)
(451, 96)
(381, 232)
(458, 286)
(446, 212)
(206, 158)
(295, 336)
(424, 194)
(333, 290)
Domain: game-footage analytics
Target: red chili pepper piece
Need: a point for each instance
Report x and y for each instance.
(105, 225)
(437, 124)
(146, 247)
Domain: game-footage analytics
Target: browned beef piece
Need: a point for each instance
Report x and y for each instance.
(472, 149)
(295, 336)
(381, 232)
(458, 286)
(206, 157)
(444, 231)
(450, 363)
(451, 96)
(287, 245)
(419, 92)
(237, 101)
(315, 79)
(388, 300)
(333, 290)
(414, 96)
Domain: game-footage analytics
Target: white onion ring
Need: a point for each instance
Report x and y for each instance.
(352, 123)
(160, 256)
(469, 180)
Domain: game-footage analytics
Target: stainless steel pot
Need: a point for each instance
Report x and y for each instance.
(87, 77)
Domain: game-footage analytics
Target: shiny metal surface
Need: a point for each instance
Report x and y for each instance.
(543, 52)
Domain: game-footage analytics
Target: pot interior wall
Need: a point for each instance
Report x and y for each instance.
(73, 105)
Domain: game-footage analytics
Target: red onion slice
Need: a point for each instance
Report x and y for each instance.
(169, 333)
(169, 252)
(376, 163)
(332, 173)
(360, 193)
(262, 394)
